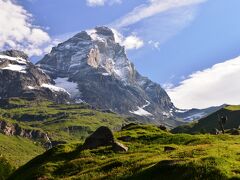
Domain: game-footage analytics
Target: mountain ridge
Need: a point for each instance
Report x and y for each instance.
(21, 78)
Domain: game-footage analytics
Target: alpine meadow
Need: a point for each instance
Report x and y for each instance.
(116, 89)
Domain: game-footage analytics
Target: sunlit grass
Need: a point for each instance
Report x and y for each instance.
(205, 156)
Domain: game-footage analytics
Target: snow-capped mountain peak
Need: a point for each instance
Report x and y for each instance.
(106, 78)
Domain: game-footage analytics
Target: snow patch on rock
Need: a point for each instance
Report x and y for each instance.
(141, 111)
(181, 110)
(54, 88)
(70, 87)
(93, 34)
(15, 67)
(168, 115)
(105, 74)
(17, 59)
(195, 116)
(31, 87)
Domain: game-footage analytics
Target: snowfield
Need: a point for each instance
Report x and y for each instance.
(70, 87)
(53, 88)
(141, 111)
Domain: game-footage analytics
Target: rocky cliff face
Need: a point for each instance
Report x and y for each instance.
(9, 129)
(94, 68)
(15, 130)
(20, 78)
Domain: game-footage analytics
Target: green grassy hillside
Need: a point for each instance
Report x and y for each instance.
(210, 122)
(16, 151)
(62, 123)
(195, 157)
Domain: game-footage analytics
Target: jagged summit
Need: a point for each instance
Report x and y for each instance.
(20, 78)
(15, 53)
(101, 74)
(103, 32)
(96, 48)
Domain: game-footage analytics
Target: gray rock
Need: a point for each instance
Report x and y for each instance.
(169, 148)
(103, 136)
(235, 132)
(215, 132)
(162, 127)
(10, 129)
(118, 147)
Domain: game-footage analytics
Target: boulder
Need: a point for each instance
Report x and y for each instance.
(215, 132)
(103, 136)
(235, 132)
(118, 147)
(162, 127)
(169, 148)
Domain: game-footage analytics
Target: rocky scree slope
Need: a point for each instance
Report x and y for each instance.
(20, 78)
(94, 68)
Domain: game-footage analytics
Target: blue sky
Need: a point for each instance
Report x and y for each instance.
(179, 39)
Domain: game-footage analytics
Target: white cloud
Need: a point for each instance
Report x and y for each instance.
(152, 8)
(133, 42)
(17, 31)
(168, 85)
(155, 44)
(157, 21)
(130, 42)
(102, 2)
(95, 2)
(210, 87)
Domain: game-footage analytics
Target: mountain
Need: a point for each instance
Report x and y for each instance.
(209, 123)
(93, 67)
(20, 78)
(196, 114)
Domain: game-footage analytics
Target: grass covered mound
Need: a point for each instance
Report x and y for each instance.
(153, 154)
(211, 122)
